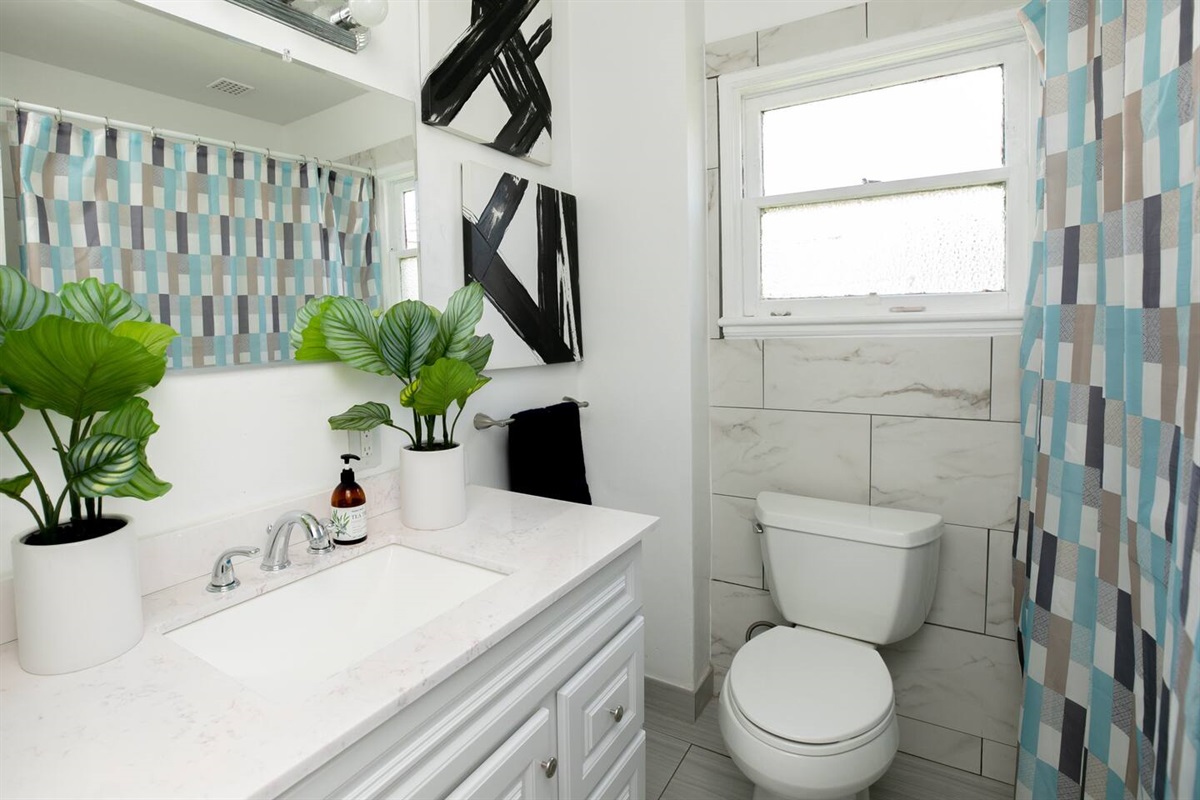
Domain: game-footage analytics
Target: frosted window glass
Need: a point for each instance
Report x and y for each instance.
(949, 240)
(410, 279)
(939, 126)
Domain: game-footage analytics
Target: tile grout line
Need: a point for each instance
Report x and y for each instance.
(675, 771)
(870, 458)
(987, 583)
(983, 420)
(992, 379)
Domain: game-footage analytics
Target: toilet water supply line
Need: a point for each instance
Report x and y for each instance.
(762, 623)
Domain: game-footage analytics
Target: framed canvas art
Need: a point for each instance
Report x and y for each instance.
(490, 82)
(520, 240)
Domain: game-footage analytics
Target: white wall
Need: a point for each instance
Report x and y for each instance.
(626, 142)
(378, 118)
(636, 121)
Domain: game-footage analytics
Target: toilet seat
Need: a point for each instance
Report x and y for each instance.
(810, 692)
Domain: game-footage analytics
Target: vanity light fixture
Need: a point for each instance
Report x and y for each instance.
(341, 24)
(360, 13)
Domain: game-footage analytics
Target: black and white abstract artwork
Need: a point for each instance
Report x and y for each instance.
(490, 86)
(520, 240)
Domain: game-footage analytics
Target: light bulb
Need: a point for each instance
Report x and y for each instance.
(368, 13)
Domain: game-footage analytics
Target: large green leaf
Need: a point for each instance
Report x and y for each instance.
(105, 304)
(22, 303)
(307, 336)
(12, 487)
(442, 383)
(456, 328)
(362, 417)
(352, 334)
(76, 368)
(408, 395)
(133, 420)
(405, 333)
(479, 351)
(101, 464)
(10, 412)
(480, 382)
(154, 336)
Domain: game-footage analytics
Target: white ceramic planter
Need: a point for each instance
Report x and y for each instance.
(433, 488)
(77, 604)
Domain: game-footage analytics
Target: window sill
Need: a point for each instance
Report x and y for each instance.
(892, 325)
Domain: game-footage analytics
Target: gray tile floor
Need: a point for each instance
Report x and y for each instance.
(689, 762)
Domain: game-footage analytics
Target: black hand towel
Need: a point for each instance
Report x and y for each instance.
(545, 454)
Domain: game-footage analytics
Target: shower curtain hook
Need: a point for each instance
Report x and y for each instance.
(268, 154)
(58, 116)
(153, 133)
(106, 125)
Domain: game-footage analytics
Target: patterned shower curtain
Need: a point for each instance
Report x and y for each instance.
(1107, 584)
(224, 246)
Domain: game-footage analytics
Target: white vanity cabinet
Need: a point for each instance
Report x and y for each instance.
(554, 710)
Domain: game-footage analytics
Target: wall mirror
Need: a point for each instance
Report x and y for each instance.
(99, 60)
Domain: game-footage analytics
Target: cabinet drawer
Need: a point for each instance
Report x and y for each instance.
(600, 711)
(517, 769)
(627, 779)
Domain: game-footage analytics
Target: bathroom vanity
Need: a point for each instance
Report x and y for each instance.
(530, 687)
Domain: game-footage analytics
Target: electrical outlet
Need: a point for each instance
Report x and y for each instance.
(365, 445)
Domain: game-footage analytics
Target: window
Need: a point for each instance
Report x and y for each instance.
(887, 187)
(402, 277)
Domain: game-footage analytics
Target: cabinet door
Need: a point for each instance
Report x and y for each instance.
(517, 769)
(600, 711)
(627, 779)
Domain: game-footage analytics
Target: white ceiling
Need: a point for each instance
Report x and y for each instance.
(136, 46)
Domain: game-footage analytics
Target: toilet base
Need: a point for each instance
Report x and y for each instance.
(761, 793)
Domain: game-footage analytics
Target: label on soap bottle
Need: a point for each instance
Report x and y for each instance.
(349, 524)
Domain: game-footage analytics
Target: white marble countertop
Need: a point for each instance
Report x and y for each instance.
(159, 722)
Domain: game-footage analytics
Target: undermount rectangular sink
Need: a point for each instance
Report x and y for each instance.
(287, 641)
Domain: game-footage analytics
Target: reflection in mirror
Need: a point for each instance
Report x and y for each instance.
(109, 60)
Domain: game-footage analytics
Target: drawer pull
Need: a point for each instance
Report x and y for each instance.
(550, 766)
(617, 713)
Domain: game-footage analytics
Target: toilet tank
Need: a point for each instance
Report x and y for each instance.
(859, 571)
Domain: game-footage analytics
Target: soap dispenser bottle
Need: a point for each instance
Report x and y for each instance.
(348, 508)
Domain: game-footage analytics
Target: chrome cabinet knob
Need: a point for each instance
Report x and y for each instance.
(617, 713)
(550, 767)
(223, 579)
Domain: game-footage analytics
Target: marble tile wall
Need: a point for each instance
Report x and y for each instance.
(925, 423)
(904, 422)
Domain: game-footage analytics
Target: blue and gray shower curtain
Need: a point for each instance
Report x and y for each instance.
(1107, 582)
(223, 245)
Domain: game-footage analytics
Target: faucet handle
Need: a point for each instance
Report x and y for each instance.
(223, 579)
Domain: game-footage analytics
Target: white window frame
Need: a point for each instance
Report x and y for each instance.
(743, 96)
(400, 177)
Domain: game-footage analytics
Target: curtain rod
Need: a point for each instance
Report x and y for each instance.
(59, 114)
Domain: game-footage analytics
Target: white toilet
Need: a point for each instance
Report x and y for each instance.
(808, 713)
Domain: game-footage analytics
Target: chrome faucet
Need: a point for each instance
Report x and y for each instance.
(279, 534)
(223, 579)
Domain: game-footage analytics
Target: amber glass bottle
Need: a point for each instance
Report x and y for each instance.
(348, 508)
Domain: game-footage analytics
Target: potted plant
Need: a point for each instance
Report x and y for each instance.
(76, 362)
(437, 357)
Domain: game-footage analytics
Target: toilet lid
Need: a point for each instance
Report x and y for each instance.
(810, 687)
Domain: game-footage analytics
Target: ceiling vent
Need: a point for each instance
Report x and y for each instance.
(229, 87)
